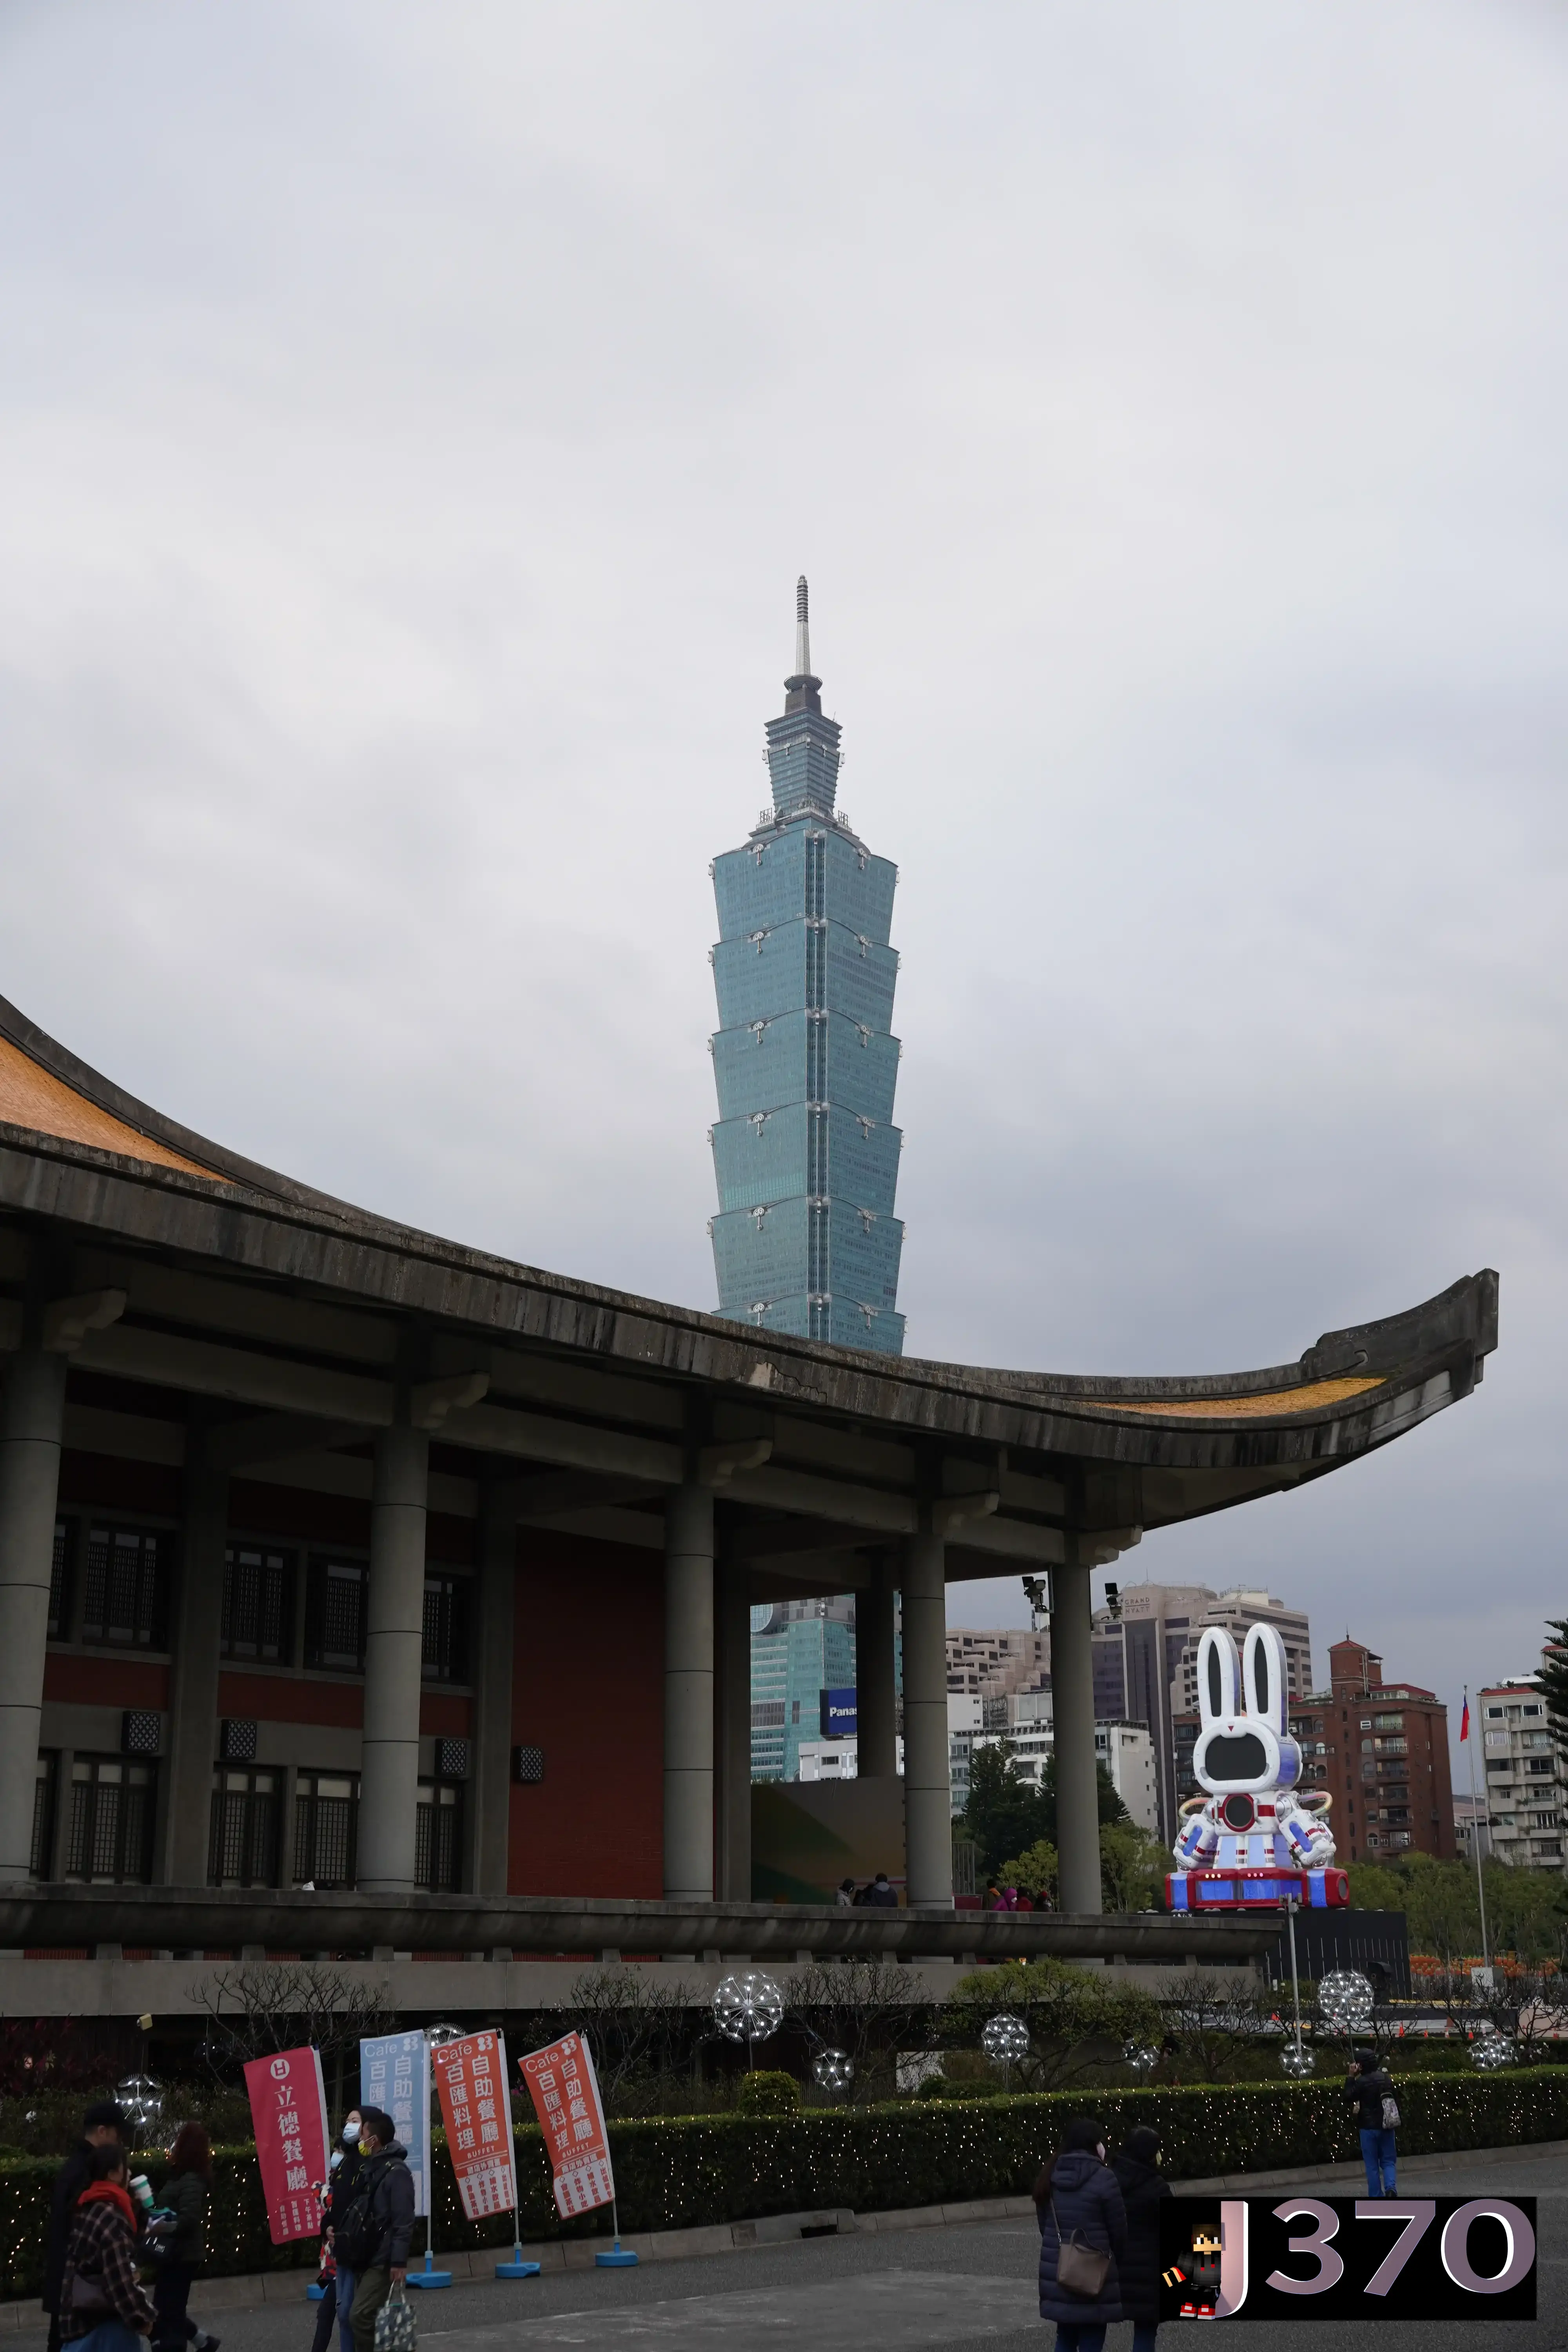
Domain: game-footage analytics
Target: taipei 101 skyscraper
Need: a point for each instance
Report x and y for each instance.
(806, 1151)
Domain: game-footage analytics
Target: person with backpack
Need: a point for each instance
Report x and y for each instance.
(1370, 2091)
(1083, 2238)
(182, 2250)
(101, 2306)
(1143, 2189)
(376, 2225)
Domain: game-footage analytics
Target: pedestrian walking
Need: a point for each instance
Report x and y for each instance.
(101, 2306)
(1370, 2091)
(1144, 2188)
(1083, 2238)
(845, 1898)
(341, 2184)
(879, 1895)
(182, 2250)
(103, 2125)
(376, 2226)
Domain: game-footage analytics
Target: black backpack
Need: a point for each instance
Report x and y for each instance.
(357, 2236)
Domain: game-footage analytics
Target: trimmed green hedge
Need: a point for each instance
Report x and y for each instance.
(673, 2172)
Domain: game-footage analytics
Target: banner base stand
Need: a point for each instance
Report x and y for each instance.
(517, 2269)
(428, 2276)
(616, 2260)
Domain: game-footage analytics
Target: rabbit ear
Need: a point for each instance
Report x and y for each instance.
(1219, 1676)
(1264, 1675)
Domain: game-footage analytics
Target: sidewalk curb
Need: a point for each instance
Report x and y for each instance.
(261, 2289)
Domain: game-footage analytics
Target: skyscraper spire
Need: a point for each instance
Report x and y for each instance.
(802, 628)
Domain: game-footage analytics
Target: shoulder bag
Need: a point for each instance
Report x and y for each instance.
(1081, 2269)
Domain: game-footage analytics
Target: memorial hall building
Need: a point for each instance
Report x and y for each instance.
(338, 1557)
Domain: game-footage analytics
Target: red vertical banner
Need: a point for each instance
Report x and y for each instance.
(475, 2111)
(288, 2111)
(565, 2093)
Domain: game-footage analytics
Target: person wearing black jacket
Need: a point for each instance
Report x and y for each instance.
(1144, 2187)
(386, 2177)
(342, 2181)
(1077, 2199)
(103, 2125)
(1366, 2089)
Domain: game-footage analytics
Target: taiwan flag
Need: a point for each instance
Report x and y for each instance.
(1465, 1720)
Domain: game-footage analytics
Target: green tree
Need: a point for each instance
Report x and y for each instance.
(1072, 2014)
(1032, 1873)
(1552, 1681)
(1132, 1867)
(1005, 1815)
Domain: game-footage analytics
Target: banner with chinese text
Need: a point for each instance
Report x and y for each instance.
(288, 2111)
(475, 2109)
(565, 2093)
(394, 2075)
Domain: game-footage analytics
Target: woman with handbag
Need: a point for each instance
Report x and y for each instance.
(1083, 2240)
(102, 2308)
(1370, 2091)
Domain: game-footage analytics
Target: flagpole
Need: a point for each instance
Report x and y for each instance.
(1476, 1833)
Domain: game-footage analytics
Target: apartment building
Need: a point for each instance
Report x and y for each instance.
(1381, 1750)
(992, 1662)
(1525, 1795)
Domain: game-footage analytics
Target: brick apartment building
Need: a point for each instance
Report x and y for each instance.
(1380, 1749)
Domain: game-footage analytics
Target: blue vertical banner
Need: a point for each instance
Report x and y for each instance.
(395, 2074)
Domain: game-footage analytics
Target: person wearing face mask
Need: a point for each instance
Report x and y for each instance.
(1083, 2238)
(338, 2279)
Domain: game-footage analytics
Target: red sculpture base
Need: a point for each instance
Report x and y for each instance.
(1256, 1890)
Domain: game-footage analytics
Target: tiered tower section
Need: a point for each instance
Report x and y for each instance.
(805, 1152)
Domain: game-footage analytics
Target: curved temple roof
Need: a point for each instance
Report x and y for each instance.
(136, 1200)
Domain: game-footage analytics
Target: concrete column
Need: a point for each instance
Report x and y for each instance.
(489, 1789)
(688, 1695)
(193, 1689)
(32, 1418)
(877, 1697)
(733, 1729)
(927, 1797)
(1072, 1703)
(394, 1625)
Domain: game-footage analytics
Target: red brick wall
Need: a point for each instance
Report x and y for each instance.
(588, 1688)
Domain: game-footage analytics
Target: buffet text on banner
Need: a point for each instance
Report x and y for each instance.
(394, 2075)
(475, 2108)
(288, 2111)
(565, 2093)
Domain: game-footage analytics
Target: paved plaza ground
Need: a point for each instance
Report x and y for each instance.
(968, 2284)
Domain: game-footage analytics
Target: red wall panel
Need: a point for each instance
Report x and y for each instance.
(588, 1688)
(279, 1699)
(78, 1679)
(102, 1482)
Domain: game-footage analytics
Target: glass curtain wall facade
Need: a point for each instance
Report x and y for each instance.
(799, 1649)
(805, 1151)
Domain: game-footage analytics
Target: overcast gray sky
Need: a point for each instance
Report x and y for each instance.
(411, 421)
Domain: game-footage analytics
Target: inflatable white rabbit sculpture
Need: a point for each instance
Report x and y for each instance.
(1251, 1842)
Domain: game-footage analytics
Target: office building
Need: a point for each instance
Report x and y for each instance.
(805, 1151)
(799, 1649)
(1145, 1666)
(1526, 1784)
(1381, 1749)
